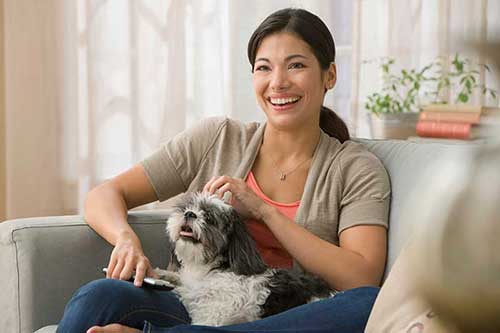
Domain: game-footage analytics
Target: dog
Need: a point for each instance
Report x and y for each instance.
(222, 279)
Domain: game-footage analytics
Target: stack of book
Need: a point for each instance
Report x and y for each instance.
(464, 122)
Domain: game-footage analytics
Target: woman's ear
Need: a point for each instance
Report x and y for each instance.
(331, 76)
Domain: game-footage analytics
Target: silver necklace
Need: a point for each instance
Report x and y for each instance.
(284, 174)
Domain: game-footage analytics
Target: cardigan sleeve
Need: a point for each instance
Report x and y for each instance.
(175, 164)
(365, 191)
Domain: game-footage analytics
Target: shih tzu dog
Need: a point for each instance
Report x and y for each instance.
(222, 278)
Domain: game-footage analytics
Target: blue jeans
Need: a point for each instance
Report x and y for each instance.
(108, 301)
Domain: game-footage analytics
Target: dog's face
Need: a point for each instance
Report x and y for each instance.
(208, 231)
(200, 227)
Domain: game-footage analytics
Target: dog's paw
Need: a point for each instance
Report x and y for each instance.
(160, 272)
(169, 276)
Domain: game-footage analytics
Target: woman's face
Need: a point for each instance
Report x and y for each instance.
(288, 81)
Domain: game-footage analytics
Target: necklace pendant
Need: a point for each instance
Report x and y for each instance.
(283, 177)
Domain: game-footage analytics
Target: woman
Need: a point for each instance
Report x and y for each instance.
(313, 199)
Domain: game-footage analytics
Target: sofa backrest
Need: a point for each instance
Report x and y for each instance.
(407, 164)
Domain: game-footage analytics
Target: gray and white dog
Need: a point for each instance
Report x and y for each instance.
(222, 279)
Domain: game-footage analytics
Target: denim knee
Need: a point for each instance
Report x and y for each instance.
(96, 303)
(362, 298)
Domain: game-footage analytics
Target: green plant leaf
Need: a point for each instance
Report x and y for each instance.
(459, 65)
(463, 97)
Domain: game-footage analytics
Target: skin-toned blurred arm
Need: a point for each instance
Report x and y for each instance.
(105, 211)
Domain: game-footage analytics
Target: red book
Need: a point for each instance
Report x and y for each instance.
(451, 116)
(453, 108)
(448, 130)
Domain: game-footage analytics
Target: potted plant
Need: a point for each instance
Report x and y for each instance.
(394, 108)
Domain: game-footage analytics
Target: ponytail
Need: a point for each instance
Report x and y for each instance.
(333, 125)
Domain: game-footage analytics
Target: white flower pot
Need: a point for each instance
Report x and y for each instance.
(393, 125)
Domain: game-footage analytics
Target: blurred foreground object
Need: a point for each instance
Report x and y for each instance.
(457, 261)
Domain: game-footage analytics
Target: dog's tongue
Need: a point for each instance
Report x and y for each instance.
(186, 234)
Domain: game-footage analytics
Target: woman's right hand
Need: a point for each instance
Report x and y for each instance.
(128, 258)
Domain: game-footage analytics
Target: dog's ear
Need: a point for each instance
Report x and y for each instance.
(244, 259)
(174, 264)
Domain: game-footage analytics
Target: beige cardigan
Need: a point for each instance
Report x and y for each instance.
(346, 185)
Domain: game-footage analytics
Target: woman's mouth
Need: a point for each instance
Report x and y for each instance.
(283, 103)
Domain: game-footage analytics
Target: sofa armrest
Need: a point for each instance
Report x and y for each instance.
(45, 260)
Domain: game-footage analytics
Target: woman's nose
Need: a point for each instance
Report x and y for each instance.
(279, 80)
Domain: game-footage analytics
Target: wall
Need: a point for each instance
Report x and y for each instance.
(3, 197)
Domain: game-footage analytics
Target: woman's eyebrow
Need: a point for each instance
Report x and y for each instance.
(290, 57)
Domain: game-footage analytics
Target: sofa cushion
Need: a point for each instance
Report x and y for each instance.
(407, 163)
(47, 329)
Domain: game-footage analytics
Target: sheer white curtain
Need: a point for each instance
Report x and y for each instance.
(94, 86)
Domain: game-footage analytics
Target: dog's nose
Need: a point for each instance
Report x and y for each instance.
(189, 214)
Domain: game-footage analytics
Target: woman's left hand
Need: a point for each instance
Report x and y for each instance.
(113, 328)
(243, 199)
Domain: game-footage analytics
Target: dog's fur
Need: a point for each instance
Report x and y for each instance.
(222, 279)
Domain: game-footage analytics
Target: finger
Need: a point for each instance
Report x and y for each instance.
(96, 329)
(227, 197)
(128, 269)
(112, 328)
(223, 189)
(111, 266)
(117, 270)
(211, 181)
(214, 185)
(207, 185)
(140, 273)
(218, 183)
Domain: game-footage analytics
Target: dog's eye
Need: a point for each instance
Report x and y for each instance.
(189, 214)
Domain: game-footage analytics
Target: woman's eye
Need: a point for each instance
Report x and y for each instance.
(262, 68)
(296, 65)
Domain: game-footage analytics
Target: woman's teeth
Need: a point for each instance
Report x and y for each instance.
(282, 101)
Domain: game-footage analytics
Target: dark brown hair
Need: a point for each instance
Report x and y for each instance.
(311, 29)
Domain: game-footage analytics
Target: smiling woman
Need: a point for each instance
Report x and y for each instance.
(312, 200)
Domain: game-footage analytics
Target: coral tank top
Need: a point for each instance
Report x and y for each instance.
(269, 247)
